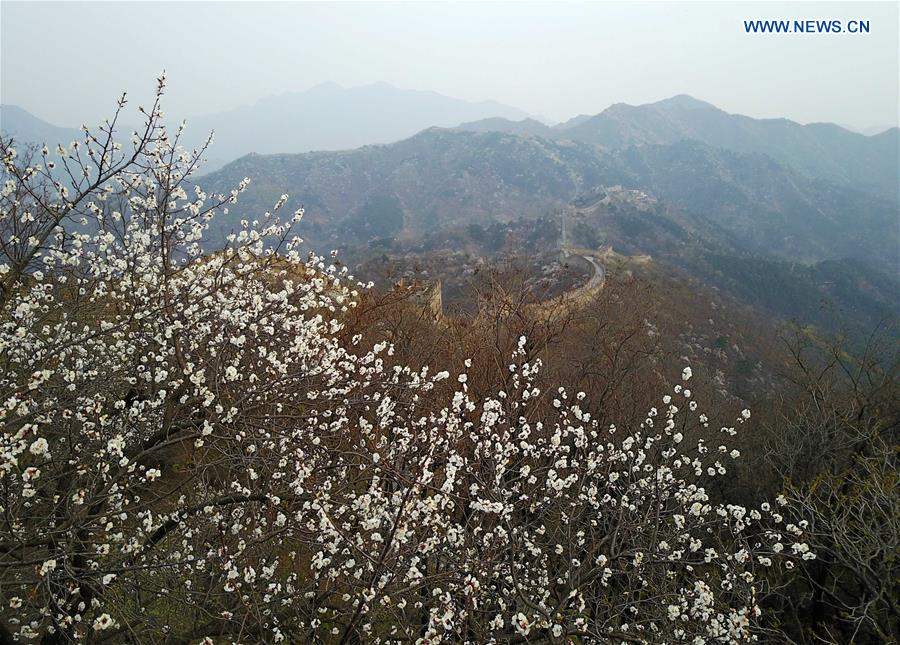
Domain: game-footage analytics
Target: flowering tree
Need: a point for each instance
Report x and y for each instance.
(193, 451)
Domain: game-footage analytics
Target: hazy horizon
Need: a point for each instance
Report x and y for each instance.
(863, 129)
(577, 59)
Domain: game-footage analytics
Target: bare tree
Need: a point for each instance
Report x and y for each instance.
(833, 443)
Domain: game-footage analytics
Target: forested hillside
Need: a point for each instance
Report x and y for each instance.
(739, 222)
(211, 433)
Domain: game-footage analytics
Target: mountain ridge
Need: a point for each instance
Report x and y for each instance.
(448, 177)
(21, 124)
(331, 117)
(825, 151)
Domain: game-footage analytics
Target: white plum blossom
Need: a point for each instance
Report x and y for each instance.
(47, 567)
(39, 447)
(103, 621)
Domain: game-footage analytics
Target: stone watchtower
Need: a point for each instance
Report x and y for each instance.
(428, 295)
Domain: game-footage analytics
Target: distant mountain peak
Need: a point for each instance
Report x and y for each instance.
(329, 116)
(681, 102)
(685, 102)
(825, 151)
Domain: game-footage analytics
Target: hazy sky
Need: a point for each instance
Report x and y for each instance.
(66, 62)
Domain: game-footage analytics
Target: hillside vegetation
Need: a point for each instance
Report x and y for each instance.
(211, 433)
